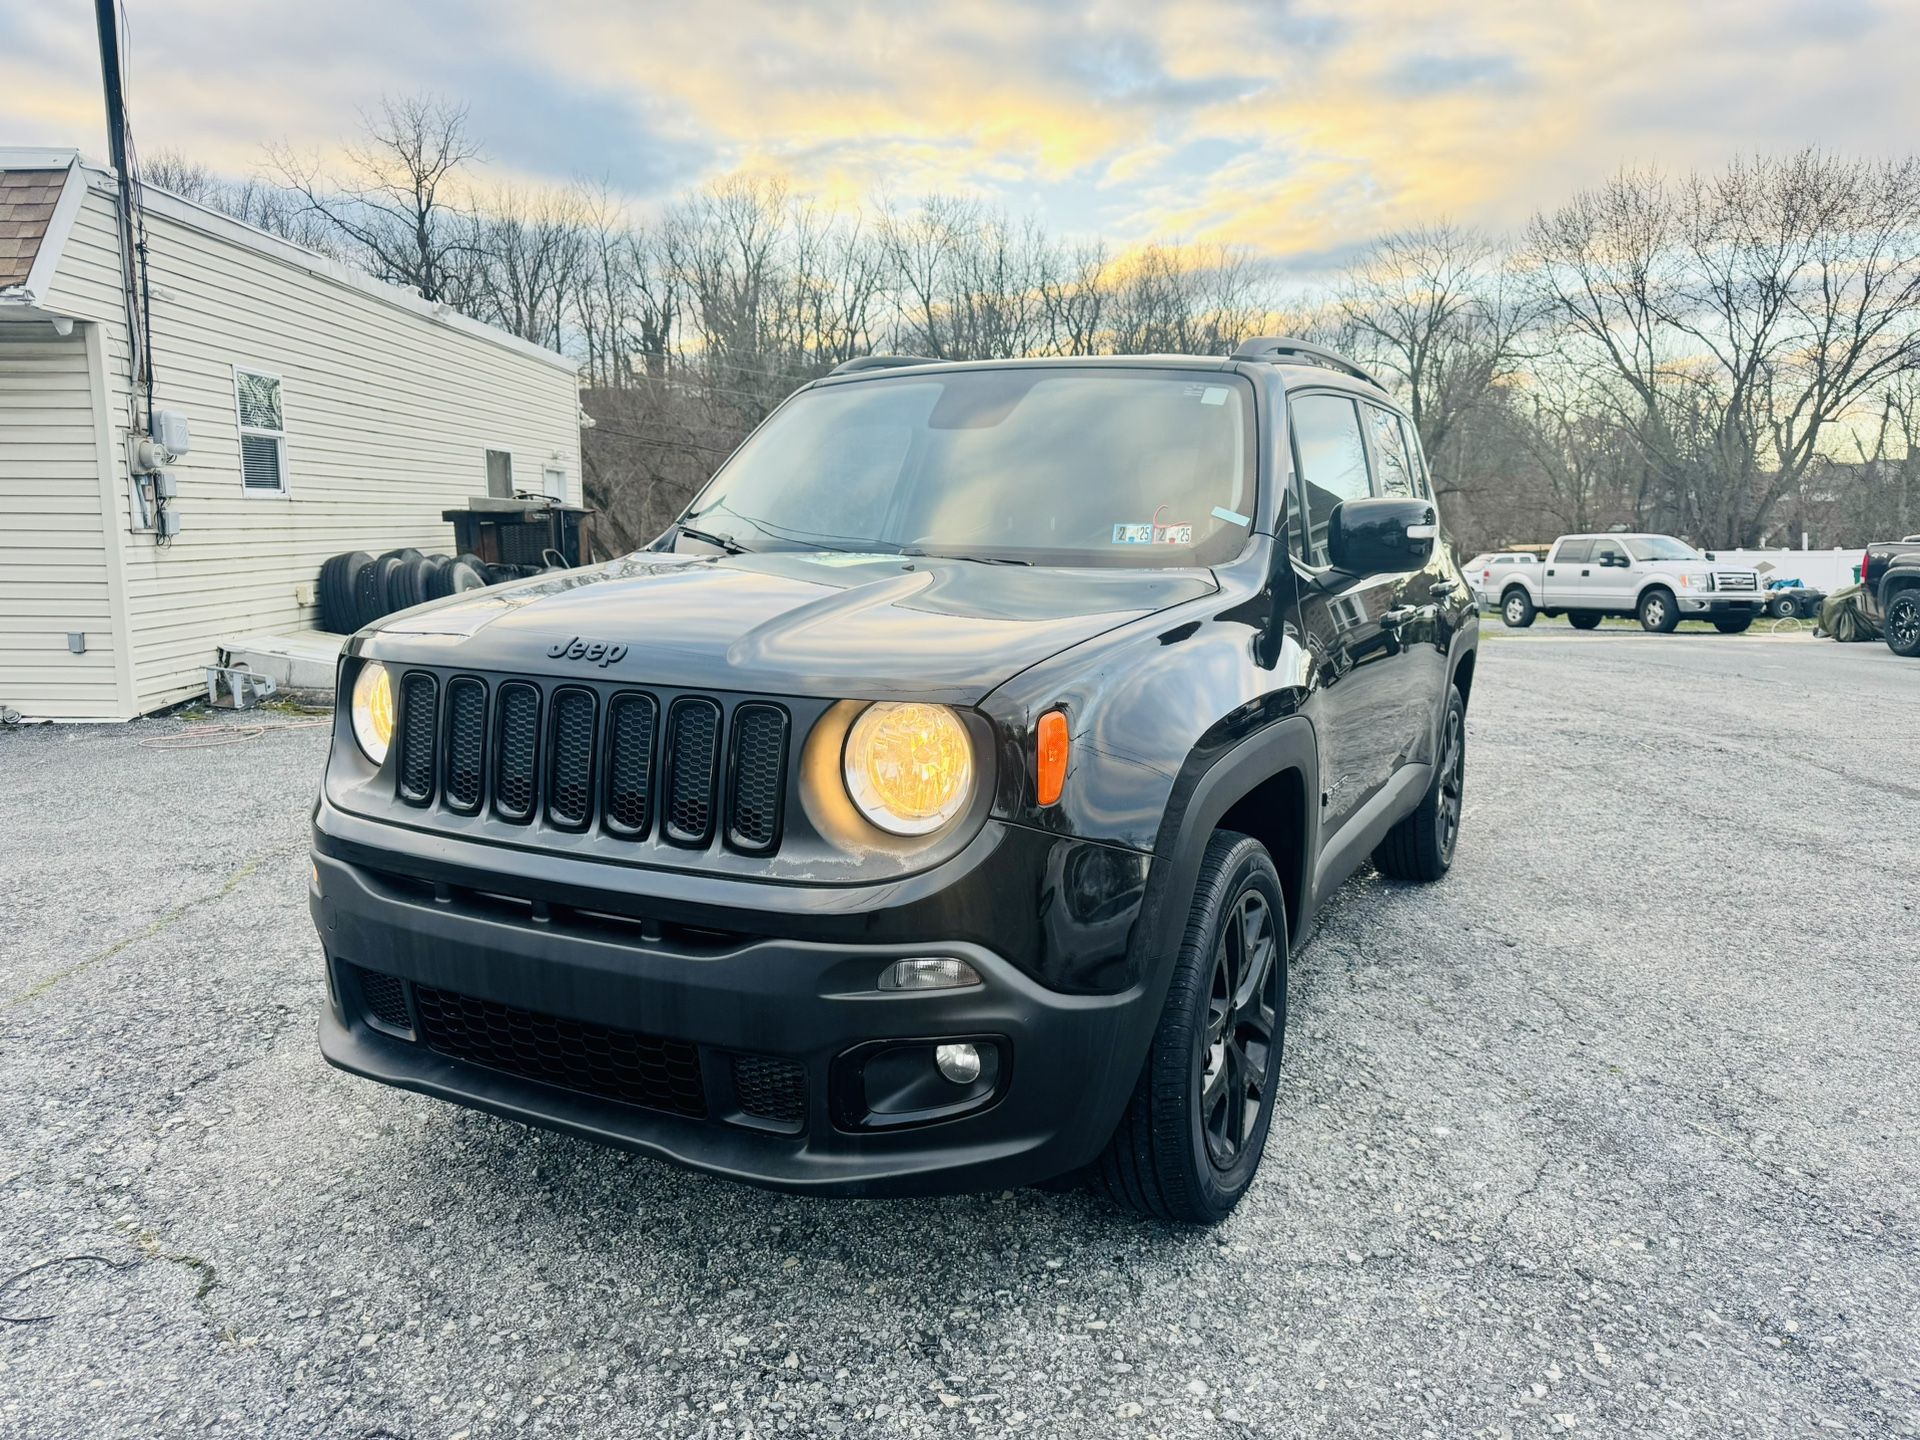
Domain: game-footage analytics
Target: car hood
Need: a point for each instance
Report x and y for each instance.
(817, 623)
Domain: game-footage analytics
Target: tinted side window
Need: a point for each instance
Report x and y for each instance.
(1397, 471)
(1573, 552)
(1332, 459)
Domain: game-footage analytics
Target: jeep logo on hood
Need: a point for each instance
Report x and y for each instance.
(593, 651)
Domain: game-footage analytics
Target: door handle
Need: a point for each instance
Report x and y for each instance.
(1549, 570)
(1399, 615)
(1440, 589)
(1586, 572)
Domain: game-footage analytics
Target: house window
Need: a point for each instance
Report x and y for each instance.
(263, 434)
(500, 474)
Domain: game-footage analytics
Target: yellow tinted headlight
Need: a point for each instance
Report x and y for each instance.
(909, 768)
(373, 710)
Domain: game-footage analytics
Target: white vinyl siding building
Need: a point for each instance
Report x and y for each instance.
(328, 412)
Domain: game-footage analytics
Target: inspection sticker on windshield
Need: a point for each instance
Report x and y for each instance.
(1153, 534)
(1232, 517)
(1206, 394)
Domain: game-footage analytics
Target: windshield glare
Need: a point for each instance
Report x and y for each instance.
(1047, 466)
(1661, 547)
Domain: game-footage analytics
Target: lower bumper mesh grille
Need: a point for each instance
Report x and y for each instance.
(573, 1054)
(770, 1088)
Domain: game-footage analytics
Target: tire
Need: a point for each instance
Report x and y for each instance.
(1734, 627)
(1782, 607)
(386, 571)
(1210, 1076)
(407, 583)
(338, 610)
(1659, 611)
(1420, 848)
(369, 593)
(463, 575)
(1903, 622)
(1516, 609)
(1584, 619)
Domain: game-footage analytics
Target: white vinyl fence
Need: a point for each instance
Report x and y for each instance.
(1827, 570)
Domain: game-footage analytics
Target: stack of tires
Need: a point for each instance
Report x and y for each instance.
(357, 588)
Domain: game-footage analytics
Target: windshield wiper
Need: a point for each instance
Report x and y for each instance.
(724, 542)
(956, 555)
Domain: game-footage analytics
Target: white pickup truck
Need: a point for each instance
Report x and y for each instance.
(1655, 577)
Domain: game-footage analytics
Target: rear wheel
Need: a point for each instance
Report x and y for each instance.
(1421, 846)
(1584, 619)
(1659, 612)
(1903, 623)
(1190, 1141)
(1781, 607)
(1516, 609)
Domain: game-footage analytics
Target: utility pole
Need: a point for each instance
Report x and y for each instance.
(106, 15)
(107, 18)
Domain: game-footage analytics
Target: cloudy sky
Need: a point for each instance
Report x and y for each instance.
(1296, 128)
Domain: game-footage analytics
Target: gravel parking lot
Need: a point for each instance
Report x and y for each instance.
(1617, 1132)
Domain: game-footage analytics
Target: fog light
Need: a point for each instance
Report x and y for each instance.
(959, 1063)
(931, 974)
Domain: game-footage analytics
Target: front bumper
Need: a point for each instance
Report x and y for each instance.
(558, 976)
(1721, 607)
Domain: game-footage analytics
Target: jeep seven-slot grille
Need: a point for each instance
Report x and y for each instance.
(693, 762)
(417, 694)
(576, 758)
(570, 760)
(466, 743)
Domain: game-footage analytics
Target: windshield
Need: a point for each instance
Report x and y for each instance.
(1661, 547)
(1041, 466)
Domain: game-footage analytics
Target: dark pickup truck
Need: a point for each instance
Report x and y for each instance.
(1890, 573)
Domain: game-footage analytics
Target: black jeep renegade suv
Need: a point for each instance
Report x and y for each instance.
(936, 805)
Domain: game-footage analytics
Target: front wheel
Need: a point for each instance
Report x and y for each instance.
(1658, 612)
(1192, 1135)
(1516, 610)
(1903, 623)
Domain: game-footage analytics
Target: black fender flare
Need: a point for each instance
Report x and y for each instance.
(1207, 788)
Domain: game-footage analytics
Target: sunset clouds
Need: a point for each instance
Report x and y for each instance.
(1299, 129)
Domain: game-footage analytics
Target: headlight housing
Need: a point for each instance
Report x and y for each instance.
(908, 766)
(1697, 580)
(373, 710)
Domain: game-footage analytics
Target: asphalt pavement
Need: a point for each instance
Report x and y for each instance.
(1614, 1132)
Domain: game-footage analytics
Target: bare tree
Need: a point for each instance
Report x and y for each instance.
(400, 204)
(1748, 313)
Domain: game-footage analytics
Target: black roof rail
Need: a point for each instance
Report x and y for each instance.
(877, 362)
(1267, 347)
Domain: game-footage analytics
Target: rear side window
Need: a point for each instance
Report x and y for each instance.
(1573, 552)
(1399, 472)
(1332, 460)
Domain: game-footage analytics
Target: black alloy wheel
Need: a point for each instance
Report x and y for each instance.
(1903, 623)
(1420, 847)
(1231, 1071)
(1194, 1129)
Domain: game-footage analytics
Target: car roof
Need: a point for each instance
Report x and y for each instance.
(1293, 375)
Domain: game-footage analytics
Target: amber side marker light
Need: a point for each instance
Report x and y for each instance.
(1051, 754)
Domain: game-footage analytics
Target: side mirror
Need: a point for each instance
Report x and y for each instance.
(1613, 561)
(1370, 537)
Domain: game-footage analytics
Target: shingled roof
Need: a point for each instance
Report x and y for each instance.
(27, 200)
